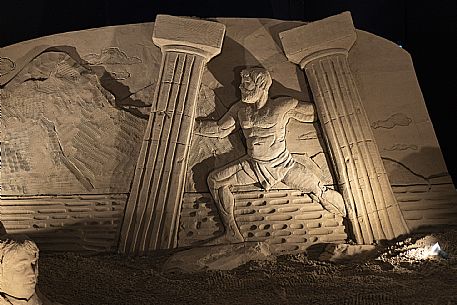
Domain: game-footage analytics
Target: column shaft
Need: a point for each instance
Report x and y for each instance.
(152, 213)
(321, 49)
(160, 170)
(374, 211)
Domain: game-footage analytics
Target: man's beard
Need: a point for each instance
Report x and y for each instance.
(250, 96)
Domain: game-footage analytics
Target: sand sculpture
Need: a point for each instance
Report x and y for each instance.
(19, 272)
(375, 214)
(151, 219)
(268, 161)
(106, 149)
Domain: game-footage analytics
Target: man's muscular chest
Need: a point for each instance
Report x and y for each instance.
(266, 117)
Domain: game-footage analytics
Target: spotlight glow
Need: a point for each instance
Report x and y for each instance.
(435, 250)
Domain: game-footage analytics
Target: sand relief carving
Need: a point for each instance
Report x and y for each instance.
(267, 161)
(152, 212)
(398, 147)
(396, 119)
(112, 56)
(85, 145)
(374, 213)
(19, 272)
(6, 66)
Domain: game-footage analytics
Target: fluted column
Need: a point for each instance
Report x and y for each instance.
(321, 49)
(152, 213)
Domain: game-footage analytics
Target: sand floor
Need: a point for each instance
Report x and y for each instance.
(396, 273)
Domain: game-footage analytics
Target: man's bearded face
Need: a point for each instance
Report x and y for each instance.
(250, 92)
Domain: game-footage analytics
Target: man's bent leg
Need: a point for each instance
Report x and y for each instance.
(301, 178)
(219, 182)
(227, 209)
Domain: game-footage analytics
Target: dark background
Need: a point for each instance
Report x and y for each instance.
(426, 29)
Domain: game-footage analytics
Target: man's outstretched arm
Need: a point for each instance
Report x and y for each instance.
(218, 129)
(304, 112)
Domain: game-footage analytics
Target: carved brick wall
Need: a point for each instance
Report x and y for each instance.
(426, 206)
(288, 220)
(66, 223)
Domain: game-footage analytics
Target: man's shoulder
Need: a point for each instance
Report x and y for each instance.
(284, 102)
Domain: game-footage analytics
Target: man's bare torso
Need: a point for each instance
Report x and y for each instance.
(265, 128)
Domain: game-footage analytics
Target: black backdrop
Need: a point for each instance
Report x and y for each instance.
(426, 29)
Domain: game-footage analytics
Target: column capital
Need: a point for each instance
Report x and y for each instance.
(188, 35)
(332, 35)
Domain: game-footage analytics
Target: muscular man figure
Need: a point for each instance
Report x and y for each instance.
(263, 121)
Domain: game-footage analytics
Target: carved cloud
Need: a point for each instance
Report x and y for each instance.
(112, 56)
(401, 147)
(6, 65)
(397, 119)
